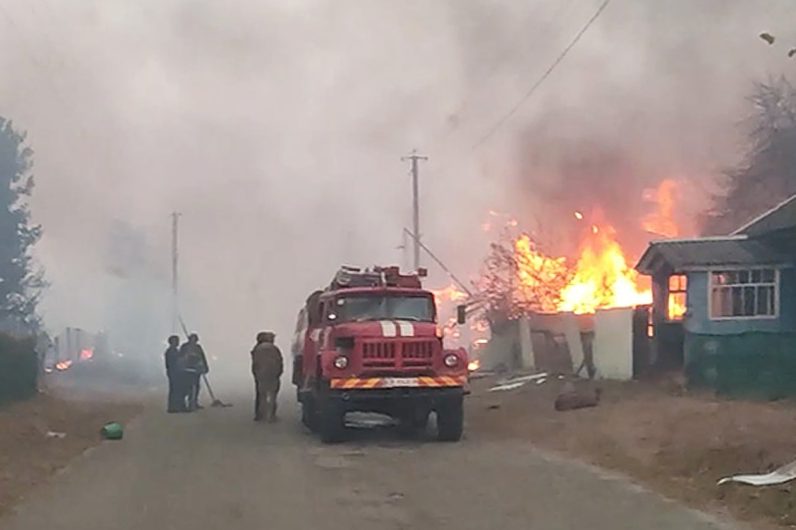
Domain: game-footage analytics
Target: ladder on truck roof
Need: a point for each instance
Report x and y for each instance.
(348, 277)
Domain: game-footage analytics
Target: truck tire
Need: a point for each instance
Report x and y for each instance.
(450, 420)
(331, 422)
(420, 421)
(413, 422)
(309, 416)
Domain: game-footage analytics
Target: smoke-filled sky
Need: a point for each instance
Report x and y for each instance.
(276, 128)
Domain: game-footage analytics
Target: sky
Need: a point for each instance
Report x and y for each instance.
(276, 129)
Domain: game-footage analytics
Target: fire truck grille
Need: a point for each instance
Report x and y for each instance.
(416, 355)
(378, 354)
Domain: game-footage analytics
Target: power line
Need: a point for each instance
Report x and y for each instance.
(506, 117)
(495, 65)
(439, 262)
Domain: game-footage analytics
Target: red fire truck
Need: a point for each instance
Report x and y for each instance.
(369, 342)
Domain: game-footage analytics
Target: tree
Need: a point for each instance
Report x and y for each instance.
(518, 278)
(767, 175)
(21, 281)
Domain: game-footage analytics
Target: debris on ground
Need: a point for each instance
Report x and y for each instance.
(53, 434)
(780, 475)
(573, 398)
(506, 386)
(516, 382)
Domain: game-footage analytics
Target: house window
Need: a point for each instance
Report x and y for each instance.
(744, 293)
(678, 284)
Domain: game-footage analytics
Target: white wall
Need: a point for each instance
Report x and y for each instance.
(613, 343)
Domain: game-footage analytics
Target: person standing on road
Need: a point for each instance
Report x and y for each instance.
(196, 366)
(176, 376)
(267, 368)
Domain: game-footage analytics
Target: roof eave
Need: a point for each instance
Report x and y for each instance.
(762, 216)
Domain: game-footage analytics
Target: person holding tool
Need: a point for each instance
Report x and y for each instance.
(196, 366)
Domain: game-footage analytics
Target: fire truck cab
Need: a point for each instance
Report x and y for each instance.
(369, 342)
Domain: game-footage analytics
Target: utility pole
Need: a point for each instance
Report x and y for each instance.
(175, 310)
(413, 159)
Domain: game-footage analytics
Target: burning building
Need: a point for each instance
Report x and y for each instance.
(547, 310)
(724, 306)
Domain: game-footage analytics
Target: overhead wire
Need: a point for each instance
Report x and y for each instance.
(446, 165)
(496, 64)
(559, 59)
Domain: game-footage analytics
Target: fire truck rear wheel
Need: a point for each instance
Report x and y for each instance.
(450, 420)
(331, 422)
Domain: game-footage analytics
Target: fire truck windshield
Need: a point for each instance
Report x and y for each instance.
(359, 308)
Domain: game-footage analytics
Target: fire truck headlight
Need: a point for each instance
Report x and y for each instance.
(341, 362)
(451, 361)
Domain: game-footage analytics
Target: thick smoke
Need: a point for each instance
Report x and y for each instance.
(653, 91)
(276, 129)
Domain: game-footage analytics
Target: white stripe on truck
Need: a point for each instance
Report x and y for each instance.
(388, 329)
(407, 329)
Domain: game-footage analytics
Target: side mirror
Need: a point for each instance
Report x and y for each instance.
(461, 314)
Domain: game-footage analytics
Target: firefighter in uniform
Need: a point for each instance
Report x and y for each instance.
(267, 368)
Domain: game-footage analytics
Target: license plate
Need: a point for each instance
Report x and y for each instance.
(396, 382)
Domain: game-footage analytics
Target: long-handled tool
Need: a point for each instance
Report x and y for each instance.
(215, 402)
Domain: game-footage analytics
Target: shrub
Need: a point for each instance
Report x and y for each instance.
(18, 368)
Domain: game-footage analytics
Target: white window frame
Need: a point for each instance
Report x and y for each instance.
(749, 269)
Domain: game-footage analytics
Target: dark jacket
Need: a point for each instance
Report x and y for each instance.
(267, 364)
(172, 357)
(194, 358)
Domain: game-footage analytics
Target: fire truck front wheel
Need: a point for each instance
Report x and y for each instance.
(331, 421)
(450, 419)
(309, 416)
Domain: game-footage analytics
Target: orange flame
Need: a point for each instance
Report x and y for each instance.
(662, 220)
(676, 309)
(450, 293)
(602, 277)
(540, 276)
(445, 299)
(62, 366)
(676, 305)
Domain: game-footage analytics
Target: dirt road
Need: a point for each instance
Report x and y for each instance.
(217, 469)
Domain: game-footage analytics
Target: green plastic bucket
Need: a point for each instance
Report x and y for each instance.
(112, 431)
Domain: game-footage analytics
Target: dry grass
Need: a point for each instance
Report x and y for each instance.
(679, 445)
(28, 456)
